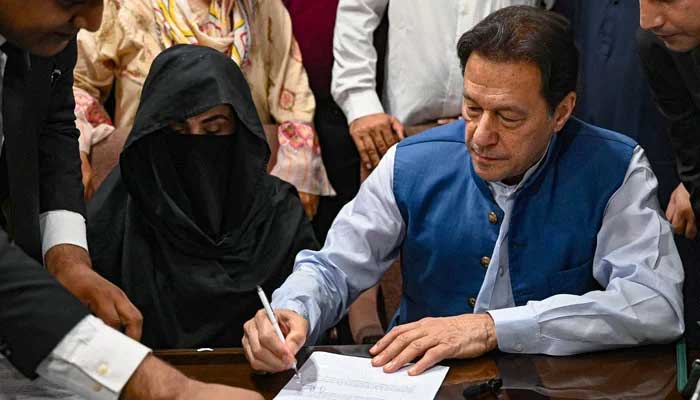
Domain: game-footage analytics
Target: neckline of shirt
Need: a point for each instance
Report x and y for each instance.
(503, 188)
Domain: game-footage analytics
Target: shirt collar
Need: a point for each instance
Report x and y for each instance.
(2, 40)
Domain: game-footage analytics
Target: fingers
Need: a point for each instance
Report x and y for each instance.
(268, 337)
(678, 225)
(297, 329)
(362, 150)
(402, 350)
(398, 128)
(431, 357)
(371, 151)
(264, 349)
(129, 316)
(106, 311)
(671, 210)
(384, 138)
(261, 359)
(389, 337)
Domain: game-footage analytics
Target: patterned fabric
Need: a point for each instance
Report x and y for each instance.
(225, 27)
(91, 118)
(119, 55)
(294, 138)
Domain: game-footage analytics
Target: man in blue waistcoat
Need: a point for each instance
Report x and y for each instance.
(520, 228)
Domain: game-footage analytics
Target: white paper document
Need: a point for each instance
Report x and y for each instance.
(335, 377)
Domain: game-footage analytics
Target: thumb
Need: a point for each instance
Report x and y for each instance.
(398, 128)
(296, 335)
(671, 209)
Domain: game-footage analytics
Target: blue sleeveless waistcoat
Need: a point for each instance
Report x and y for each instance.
(452, 220)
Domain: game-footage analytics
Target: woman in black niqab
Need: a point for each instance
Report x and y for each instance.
(187, 225)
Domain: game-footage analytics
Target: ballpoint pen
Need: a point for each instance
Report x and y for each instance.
(275, 324)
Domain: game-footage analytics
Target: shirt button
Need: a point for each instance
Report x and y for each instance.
(493, 218)
(485, 261)
(103, 369)
(500, 271)
(96, 387)
(472, 302)
(518, 347)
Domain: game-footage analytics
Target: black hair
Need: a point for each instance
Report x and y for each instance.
(530, 34)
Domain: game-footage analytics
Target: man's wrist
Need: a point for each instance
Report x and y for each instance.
(360, 103)
(63, 256)
(154, 380)
(490, 332)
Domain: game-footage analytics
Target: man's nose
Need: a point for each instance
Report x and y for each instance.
(651, 15)
(486, 133)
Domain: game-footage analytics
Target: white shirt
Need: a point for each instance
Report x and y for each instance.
(93, 359)
(636, 261)
(423, 77)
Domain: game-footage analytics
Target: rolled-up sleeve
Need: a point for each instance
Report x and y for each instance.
(637, 263)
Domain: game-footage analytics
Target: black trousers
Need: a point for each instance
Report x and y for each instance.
(342, 163)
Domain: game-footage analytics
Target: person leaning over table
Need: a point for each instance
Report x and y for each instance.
(534, 233)
(44, 330)
(669, 46)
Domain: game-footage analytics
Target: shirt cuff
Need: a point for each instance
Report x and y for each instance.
(360, 103)
(93, 360)
(293, 305)
(62, 227)
(517, 330)
(298, 307)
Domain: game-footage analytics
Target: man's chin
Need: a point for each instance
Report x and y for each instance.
(488, 174)
(680, 44)
(47, 48)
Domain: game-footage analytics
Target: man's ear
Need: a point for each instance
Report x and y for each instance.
(564, 110)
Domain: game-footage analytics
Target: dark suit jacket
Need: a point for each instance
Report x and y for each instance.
(41, 173)
(675, 80)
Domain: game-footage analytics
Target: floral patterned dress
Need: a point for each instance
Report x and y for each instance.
(118, 57)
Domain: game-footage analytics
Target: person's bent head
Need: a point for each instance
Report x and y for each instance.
(218, 120)
(197, 144)
(45, 27)
(520, 75)
(675, 22)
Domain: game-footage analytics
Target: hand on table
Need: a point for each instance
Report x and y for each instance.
(680, 213)
(435, 339)
(71, 266)
(264, 350)
(373, 135)
(156, 380)
(310, 203)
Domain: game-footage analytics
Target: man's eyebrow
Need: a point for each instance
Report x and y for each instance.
(508, 107)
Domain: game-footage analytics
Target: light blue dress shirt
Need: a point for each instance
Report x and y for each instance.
(636, 261)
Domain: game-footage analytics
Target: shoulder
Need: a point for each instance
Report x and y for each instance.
(450, 133)
(578, 130)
